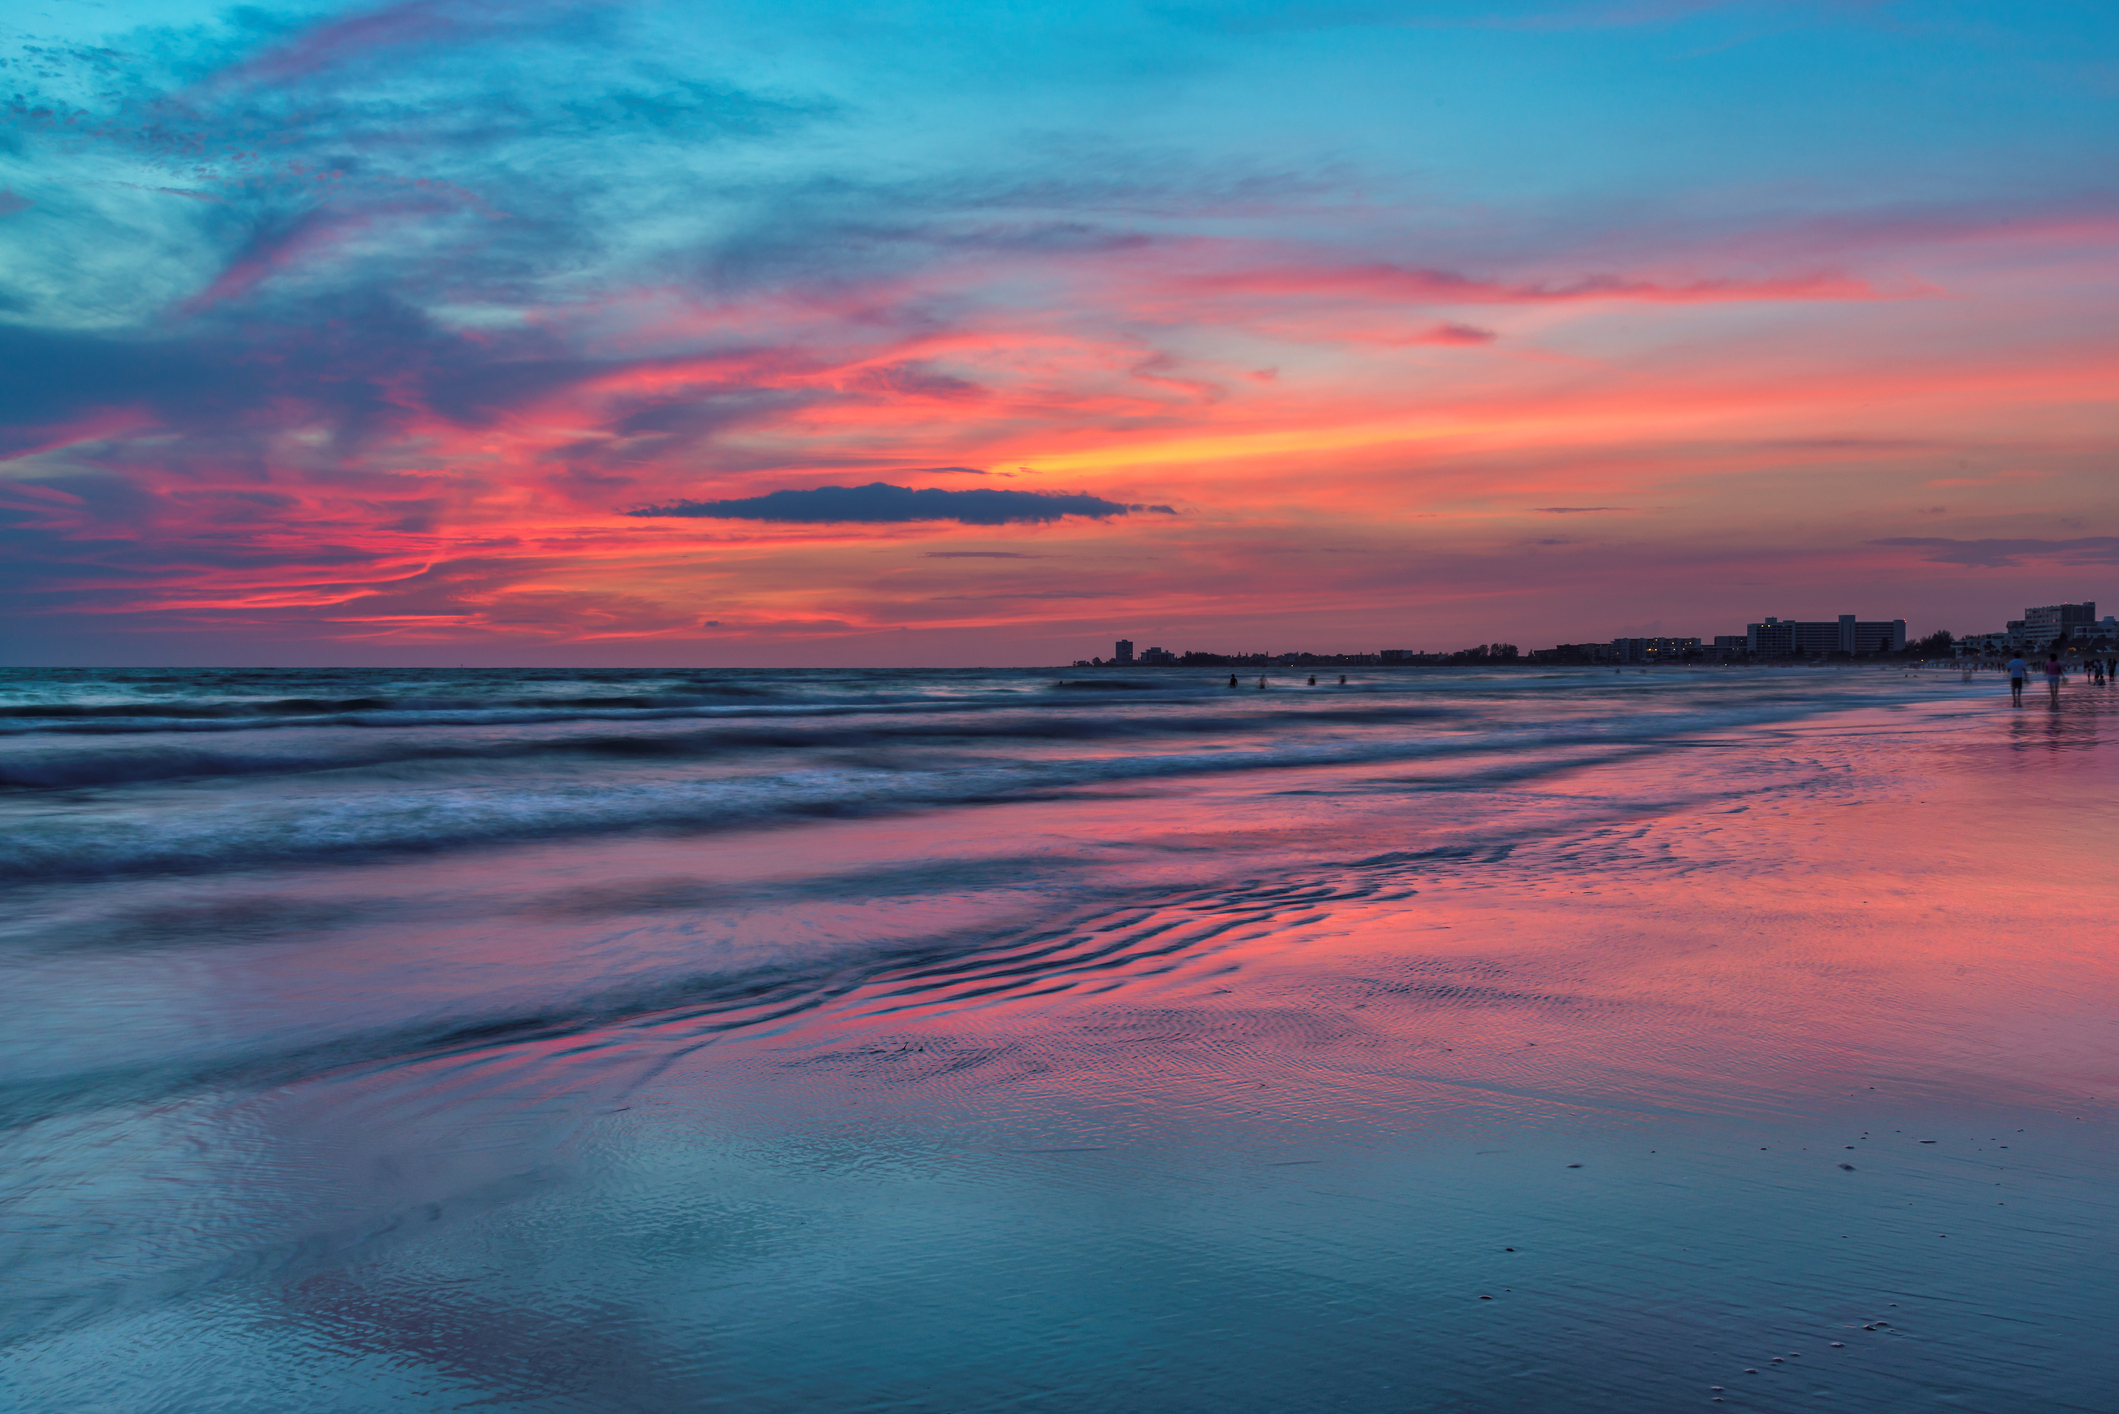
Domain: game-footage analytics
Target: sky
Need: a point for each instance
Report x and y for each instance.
(632, 333)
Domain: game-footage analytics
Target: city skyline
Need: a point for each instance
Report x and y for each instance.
(1771, 636)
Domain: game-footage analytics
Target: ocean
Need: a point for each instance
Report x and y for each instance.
(1084, 1039)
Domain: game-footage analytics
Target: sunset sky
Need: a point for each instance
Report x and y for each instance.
(534, 333)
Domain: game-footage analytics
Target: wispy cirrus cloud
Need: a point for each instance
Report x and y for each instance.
(2008, 554)
(1999, 478)
(1450, 287)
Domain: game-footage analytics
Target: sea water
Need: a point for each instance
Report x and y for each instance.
(1109, 1040)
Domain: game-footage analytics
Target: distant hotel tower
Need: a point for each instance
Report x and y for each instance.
(1124, 652)
(1788, 638)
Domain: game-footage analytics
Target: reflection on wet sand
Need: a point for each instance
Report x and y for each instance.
(1775, 1058)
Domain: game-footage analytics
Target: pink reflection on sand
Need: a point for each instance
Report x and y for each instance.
(1929, 925)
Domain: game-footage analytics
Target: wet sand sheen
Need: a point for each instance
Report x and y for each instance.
(1545, 1080)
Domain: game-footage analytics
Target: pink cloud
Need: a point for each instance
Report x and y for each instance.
(413, 22)
(1999, 478)
(1434, 286)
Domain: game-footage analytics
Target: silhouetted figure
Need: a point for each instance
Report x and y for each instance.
(2016, 676)
(1342, 679)
(2052, 678)
(1261, 682)
(1232, 679)
(1313, 679)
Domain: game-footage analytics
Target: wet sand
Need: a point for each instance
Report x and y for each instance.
(1776, 1058)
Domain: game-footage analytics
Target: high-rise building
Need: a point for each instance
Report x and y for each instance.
(2043, 626)
(1124, 652)
(1799, 638)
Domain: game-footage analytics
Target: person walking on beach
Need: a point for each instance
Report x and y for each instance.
(2052, 677)
(2017, 669)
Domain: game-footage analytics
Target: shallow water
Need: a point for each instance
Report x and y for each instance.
(966, 1041)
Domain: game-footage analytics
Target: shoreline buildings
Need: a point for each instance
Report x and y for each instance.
(1770, 639)
(2043, 626)
(1803, 638)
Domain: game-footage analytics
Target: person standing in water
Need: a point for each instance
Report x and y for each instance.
(2017, 669)
(2052, 677)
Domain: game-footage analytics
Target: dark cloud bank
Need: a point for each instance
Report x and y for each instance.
(880, 504)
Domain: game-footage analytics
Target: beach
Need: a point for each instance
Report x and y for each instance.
(1056, 1039)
